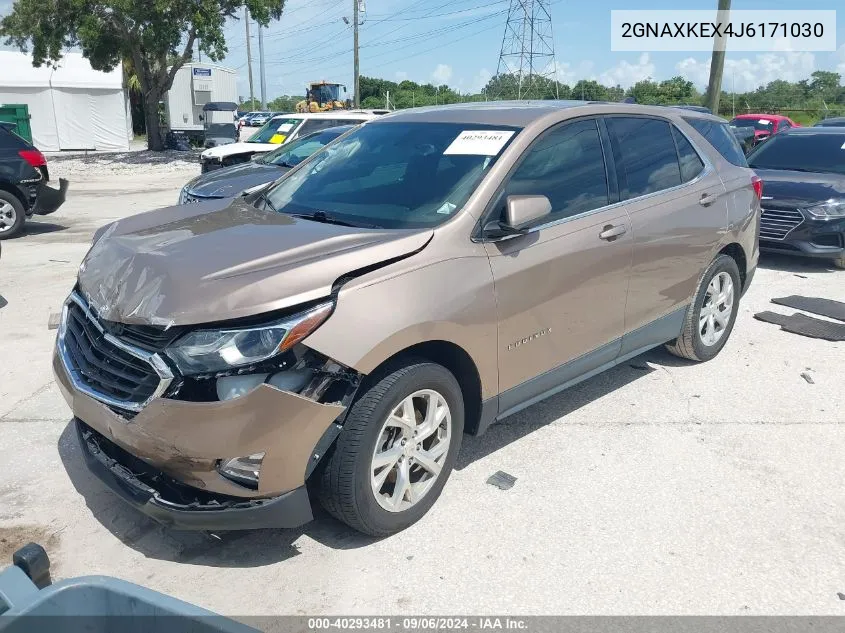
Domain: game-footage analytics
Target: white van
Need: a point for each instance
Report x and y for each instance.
(279, 130)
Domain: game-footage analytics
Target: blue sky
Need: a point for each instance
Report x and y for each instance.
(413, 39)
(457, 42)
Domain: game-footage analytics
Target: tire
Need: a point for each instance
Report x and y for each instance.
(13, 215)
(691, 344)
(839, 263)
(346, 483)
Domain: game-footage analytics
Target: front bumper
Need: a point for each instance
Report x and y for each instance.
(812, 238)
(47, 199)
(147, 490)
(185, 440)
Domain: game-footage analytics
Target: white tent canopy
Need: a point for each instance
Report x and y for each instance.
(72, 106)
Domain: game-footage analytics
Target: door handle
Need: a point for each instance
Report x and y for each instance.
(611, 232)
(707, 199)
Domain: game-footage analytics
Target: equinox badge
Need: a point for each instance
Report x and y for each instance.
(528, 339)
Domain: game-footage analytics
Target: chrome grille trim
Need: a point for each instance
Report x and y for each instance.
(777, 224)
(155, 361)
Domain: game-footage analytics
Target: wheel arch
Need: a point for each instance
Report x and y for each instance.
(735, 251)
(15, 191)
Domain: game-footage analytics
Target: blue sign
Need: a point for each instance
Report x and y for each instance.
(202, 72)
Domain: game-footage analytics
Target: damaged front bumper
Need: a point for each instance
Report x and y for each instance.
(164, 459)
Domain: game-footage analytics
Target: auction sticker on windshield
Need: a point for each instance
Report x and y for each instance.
(479, 142)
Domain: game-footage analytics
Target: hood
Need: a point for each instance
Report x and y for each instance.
(231, 181)
(794, 189)
(214, 141)
(225, 259)
(232, 149)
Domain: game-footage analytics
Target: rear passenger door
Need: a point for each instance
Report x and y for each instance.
(678, 210)
(560, 289)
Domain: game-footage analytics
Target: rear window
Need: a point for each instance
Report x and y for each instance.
(10, 140)
(720, 137)
(647, 154)
(762, 125)
(801, 152)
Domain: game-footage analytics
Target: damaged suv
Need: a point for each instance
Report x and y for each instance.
(424, 275)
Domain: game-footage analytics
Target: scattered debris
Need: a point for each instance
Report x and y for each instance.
(841, 595)
(54, 320)
(409, 557)
(502, 480)
(640, 366)
(808, 378)
(801, 276)
(817, 305)
(59, 261)
(805, 325)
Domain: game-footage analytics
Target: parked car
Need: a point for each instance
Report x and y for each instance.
(23, 183)
(803, 171)
(694, 108)
(232, 181)
(746, 137)
(430, 272)
(834, 121)
(278, 131)
(764, 125)
(259, 118)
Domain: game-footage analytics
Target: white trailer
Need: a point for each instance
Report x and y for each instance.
(194, 85)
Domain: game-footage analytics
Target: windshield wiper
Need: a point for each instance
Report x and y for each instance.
(325, 218)
(265, 198)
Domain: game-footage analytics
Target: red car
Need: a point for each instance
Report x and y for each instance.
(764, 124)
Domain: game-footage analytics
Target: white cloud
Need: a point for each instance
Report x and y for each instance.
(626, 74)
(569, 74)
(442, 74)
(479, 80)
(746, 74)
(840, 57)
(401, 75)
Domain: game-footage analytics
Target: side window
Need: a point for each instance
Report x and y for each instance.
(647, 155)
(691, 164)
(721, 138)
(567, 165)
(784, 125)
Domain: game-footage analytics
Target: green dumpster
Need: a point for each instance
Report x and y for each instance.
(17, 113)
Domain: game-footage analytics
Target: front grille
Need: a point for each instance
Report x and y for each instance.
(775, 224)
(151, 338)
(103, 368)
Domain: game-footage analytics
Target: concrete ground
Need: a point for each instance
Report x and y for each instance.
(659, 487)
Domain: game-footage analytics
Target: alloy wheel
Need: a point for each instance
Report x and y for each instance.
(410, 450)
(8, 216)
(716, 310)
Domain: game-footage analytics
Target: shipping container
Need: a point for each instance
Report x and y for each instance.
(194, 85)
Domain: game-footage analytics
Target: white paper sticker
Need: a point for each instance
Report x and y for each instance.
(479, 142)
(285, 127)
(764, 122)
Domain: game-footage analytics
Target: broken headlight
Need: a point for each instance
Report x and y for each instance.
(242, 470)
(208, 351)
(828, 210)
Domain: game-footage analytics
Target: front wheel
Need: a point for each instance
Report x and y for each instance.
(12, 215)
(396, 451)
(711, 316)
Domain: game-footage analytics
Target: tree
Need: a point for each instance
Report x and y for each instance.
(157, 36)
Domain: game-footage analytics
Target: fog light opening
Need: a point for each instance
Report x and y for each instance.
(242, 470)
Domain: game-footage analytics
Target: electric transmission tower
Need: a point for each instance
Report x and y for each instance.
(526, 67)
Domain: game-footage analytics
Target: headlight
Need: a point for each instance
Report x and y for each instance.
(183, 195)
(828, 210)
(242, 470)
(208, 351)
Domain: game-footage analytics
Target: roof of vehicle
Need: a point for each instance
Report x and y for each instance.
(810, 131)
(338, 115)
(831, 121)
(522, 113)
(771, 117)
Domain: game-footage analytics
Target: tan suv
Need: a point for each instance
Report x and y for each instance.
(426, 274)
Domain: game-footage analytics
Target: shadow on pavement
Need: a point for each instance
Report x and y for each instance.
(245, 549)
(34, 227)
(790, 264)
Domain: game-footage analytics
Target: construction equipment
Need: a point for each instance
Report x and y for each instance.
(323, 96)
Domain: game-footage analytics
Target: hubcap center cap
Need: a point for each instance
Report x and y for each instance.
(409, 449)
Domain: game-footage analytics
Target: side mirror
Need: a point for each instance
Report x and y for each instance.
(521, 212)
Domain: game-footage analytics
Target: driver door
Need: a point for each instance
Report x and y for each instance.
(561, 288)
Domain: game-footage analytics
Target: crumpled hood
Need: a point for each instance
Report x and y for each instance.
(225, 259)
(231, 181)
(233, 149)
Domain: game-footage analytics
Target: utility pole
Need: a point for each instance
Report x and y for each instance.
(249, 60)
(717, 62)
(357, 82)
(261, 67)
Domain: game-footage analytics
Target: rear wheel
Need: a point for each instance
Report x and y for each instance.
(711, 316)
(839, 263)
(396, 451)
(12, 215)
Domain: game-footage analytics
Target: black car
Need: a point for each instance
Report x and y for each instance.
(232, 181)
(834, 121)
(23, 188)
(803, 172)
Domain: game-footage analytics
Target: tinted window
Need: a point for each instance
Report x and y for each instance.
(720, 137)
(691, 164)
(393, 175)
(822, 152)
(567, 166)
(275, 131)
(647, 155)
(762, 125)
(10, 140)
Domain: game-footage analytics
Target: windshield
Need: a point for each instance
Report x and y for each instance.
(275, 131)
(393, 175)
(764, 125)
(221, 129)
(801, 152)
(295, 152)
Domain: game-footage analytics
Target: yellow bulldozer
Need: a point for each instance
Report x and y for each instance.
(322, 96)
